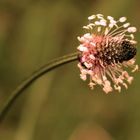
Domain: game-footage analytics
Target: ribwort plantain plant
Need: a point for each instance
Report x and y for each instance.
(105, 51)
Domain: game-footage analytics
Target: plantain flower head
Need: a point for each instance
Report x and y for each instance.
(105, 52)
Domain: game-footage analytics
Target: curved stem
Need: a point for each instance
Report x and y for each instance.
(38, 73)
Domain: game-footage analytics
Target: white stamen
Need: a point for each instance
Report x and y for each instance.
(87, 35)
(88, 65)
(99, 15)
(110, 18)
(97, 22)
(106, 31)
(99, 29)
(103, 22)
(136, 68)
(82, 48)
(122, 19)
(113, 21)
(133, 41)
(90, 26)
(132, 29)
(99, 81)
(92, 44)
(130, 79)
(79, 38)
(91, 17)
(83, 76)
(83, 71)
(111, 25)
(132, 36)
(91, 85)
(126, 25)
(86, 27)
(117, 88)
(92, 56)
(125, 85)
(104, 78)
(107, 86)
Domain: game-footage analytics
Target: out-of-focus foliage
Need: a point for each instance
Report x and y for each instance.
(60, 106)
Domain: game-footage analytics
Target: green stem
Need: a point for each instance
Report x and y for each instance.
(27, 82)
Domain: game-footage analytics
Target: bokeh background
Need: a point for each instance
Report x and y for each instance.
(60, 106)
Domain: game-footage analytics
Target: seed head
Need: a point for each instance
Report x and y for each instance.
(106, 50)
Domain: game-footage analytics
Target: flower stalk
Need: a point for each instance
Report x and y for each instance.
(34, 76)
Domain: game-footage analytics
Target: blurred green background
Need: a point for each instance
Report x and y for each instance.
(59, 105)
